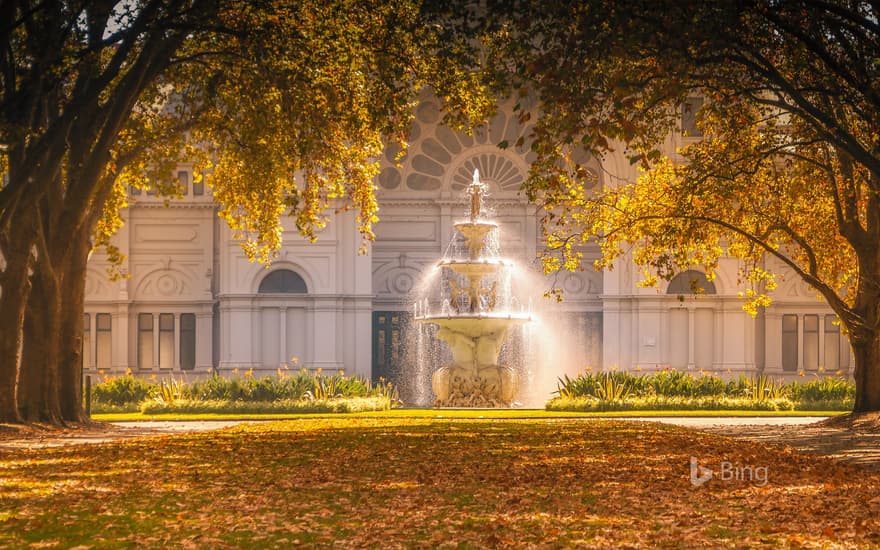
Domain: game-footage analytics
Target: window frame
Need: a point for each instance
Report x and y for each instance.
(145, 342)
(786, 335)
(166, 338)
(187, 341)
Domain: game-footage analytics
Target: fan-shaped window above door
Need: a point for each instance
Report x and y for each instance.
(690, 282)
(283, 281)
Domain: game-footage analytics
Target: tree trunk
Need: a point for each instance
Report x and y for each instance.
(38, 375)
(13, 302)
(867, 373)
(71, 333)
(50, 377)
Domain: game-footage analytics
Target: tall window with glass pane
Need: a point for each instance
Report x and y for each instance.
(145, 341)
(166, 340)
(811, 342)
(187, 341)
(87, 340)
(103, 339)
(789, 342)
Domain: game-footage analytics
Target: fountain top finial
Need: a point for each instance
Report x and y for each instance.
(475, 190)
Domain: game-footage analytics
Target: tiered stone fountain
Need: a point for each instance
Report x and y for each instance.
(475, 317)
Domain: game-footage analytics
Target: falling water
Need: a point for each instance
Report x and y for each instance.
(473, 351)
(539, 344)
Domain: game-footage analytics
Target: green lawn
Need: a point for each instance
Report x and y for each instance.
(396, 481)
(464, 413)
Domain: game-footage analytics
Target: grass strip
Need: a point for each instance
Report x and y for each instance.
(475, 414)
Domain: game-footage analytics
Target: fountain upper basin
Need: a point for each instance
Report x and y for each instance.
(475, 233)
(478, 267)
(476, 226)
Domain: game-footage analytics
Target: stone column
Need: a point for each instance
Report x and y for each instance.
(119, 339)
(772, 341)
(283, 352)
(690, 363)
(175, 362)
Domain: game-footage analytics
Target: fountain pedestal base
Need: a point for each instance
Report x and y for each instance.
(483, 386)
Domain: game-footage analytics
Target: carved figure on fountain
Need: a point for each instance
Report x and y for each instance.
(454, 294)
(474, 292)
(476, 190)
(491, 386)
(501, 381)
(491, 295)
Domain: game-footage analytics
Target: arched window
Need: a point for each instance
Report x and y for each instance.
(690, 282)
(283, 281)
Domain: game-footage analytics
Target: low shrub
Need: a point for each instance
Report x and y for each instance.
(667, 382)
(104, 408)
(291, 391)
(121, 391)
(282, 406)
(830, 388)
(216, 387)
(825, 405)
(676, 383)
(834, 392)
(284, 386)
(663, 402)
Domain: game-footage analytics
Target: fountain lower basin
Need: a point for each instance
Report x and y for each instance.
(474, 268)
(474, 378)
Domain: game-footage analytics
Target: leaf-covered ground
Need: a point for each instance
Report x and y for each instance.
(426, 483)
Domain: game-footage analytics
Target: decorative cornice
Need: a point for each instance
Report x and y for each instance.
(150, 303)
(440, 202)
(309, 297)
(174, 204)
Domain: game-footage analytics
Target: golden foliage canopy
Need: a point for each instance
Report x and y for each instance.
(788, 172)
(284, 108)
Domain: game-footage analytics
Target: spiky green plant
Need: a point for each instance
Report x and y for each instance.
(611, 388)
(762, 388)
(169, 390)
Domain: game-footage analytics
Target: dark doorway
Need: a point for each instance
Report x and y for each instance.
(389, 330)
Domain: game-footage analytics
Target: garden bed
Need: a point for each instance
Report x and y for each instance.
(675, 390)
(302, 392)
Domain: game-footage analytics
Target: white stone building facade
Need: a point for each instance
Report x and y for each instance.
(192, 304)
